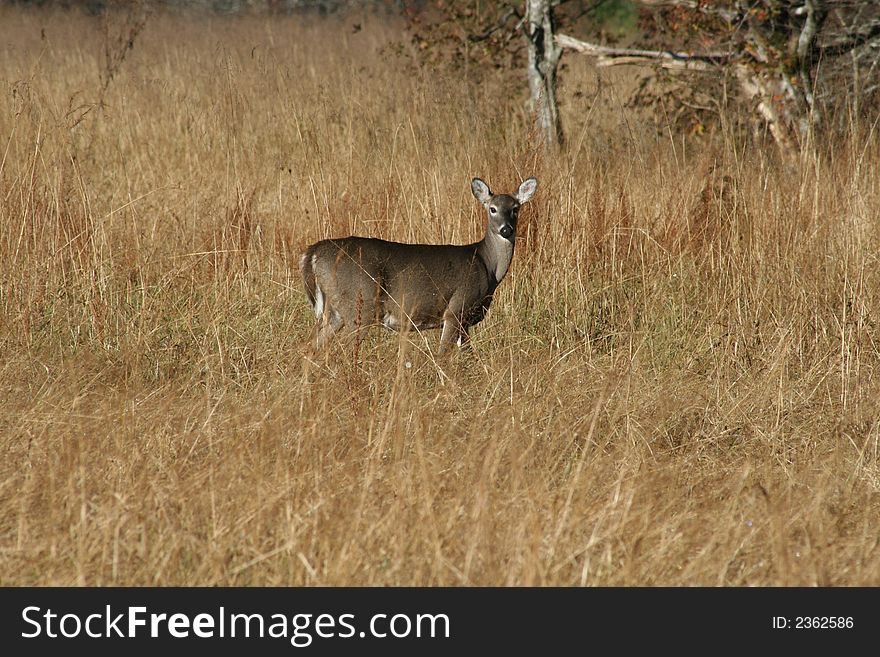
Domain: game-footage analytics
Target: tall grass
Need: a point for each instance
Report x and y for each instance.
(677, 383)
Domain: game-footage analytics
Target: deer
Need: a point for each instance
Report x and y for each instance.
(359, 282)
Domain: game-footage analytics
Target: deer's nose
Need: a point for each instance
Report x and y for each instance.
(506, 231)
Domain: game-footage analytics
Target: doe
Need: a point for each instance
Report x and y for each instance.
(357, 282)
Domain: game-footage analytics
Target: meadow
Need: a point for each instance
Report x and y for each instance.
(678, 382)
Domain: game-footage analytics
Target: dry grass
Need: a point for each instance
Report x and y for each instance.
(677, 383)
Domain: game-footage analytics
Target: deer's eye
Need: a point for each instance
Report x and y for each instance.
(493, 209)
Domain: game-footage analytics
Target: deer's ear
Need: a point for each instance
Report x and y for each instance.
(527, 190)
(480, 190)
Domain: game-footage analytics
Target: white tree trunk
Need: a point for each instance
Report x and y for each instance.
(544, 54)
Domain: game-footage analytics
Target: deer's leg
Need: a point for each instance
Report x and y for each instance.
(328, 324)
(453, 333)
(324, 333)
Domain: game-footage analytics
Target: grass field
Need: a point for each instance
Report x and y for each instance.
(677, 383)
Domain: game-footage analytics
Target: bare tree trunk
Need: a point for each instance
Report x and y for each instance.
(816, 12)
(544, 54)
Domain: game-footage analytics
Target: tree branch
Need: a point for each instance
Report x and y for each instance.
(852, 41)
(750, 82)
(756, 90)
(608, 56)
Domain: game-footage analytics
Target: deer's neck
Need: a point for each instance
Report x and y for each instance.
(497, 253)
